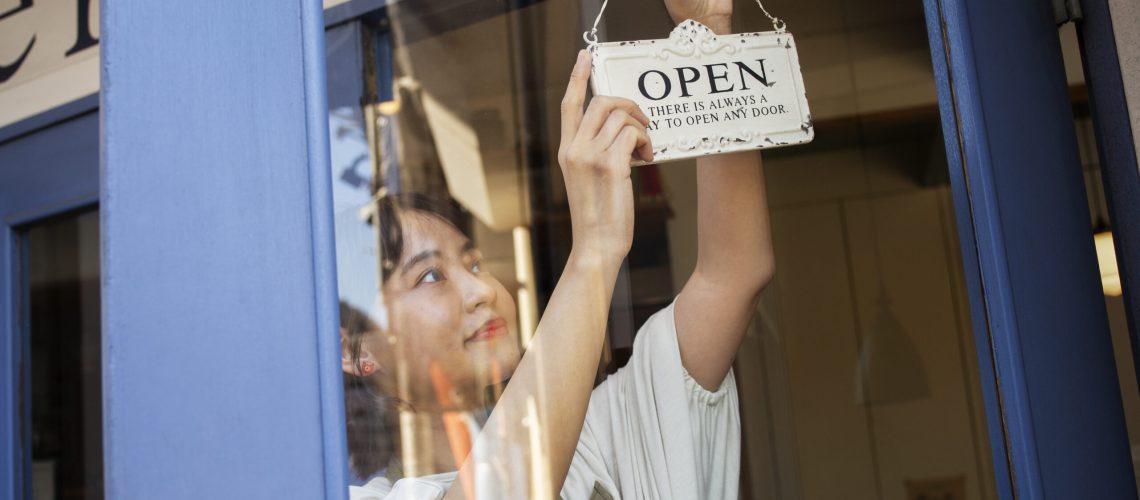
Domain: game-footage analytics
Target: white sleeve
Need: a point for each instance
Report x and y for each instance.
(409, 488)
(651, 431)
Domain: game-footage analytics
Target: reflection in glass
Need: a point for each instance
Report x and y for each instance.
(1101, 231)
(61, 304)
(858, 378)
(889, 369)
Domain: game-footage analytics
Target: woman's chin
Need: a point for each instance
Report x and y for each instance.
(498, 365)
(503, 352)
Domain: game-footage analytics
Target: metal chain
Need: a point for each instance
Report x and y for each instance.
(779, 25)
(591, 37)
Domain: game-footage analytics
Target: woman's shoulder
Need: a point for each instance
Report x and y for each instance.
(656, 361)
(657, 338)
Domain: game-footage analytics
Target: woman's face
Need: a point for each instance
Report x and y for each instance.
(451, 329)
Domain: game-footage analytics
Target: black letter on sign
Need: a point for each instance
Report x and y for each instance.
(83, 38)
(686, 81)
(641, 85)
(6, 72)
(24, 5)
(713, 78)
(762, 77)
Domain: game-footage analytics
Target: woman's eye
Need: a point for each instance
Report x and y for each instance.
(430, 276)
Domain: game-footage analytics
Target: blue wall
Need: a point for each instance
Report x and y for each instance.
(221, 350)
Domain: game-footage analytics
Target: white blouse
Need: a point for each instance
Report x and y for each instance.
(633, 443)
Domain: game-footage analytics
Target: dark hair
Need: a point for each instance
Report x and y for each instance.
(371, 441)
(388, 211)
(371, 426)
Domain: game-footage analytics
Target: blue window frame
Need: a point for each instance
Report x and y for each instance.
(1052, 398)
(48, 165)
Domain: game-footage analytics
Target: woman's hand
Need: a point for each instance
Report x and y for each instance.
(595, 153)
(716, 14)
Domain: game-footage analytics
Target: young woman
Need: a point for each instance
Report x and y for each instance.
(665, 426)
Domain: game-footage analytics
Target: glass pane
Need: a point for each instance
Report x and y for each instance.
(1101, 225)
(863, 368)
(857, 377)
(61, 265)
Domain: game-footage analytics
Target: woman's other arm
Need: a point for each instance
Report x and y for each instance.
(734, 264)
(734, 245)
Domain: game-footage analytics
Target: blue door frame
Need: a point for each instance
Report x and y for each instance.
(221, 354)
(48, 166)
(221, 338)
(1053, 406)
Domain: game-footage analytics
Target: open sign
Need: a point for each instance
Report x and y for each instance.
(709, 94)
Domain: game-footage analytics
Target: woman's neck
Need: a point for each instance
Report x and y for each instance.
(436, 442)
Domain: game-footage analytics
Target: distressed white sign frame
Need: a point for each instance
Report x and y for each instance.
(679, 78)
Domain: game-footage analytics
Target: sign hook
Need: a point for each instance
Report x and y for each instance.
(778, 24)
(591, 37)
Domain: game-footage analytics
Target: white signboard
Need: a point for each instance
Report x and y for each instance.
(708, 94)
(49, 55)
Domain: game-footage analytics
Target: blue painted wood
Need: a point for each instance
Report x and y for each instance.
(14, 413)
(23, 349)
(50, 171)
(41, 174)
(352, 9)
(221, 349)
(967, 240)
(344, 62)
(1022, 188)
(326, 296)
(1117, 153)
(47, 118)
(12, 453)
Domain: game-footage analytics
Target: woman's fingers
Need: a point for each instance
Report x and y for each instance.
(603, 125)
(645, 149)
(632, 142)
(575, 97)
(617, 120)
(617, 124)
(599, 111)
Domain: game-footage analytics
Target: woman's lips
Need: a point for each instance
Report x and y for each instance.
(492, 329)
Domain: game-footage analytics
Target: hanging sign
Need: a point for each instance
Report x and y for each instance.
(706, 93)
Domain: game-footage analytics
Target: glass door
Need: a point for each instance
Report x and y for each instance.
(58, 265)
(859, 377)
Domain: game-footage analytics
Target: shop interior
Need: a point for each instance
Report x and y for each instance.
(859, 377)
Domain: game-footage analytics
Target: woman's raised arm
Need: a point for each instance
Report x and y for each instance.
(547, 397)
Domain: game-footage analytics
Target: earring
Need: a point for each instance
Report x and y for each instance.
(367, 368)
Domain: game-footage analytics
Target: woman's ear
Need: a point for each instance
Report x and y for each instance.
(364, 365)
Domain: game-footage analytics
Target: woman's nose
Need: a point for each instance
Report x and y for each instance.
(476, 291)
